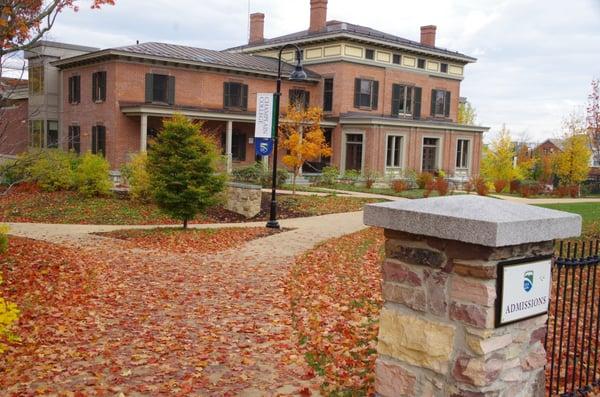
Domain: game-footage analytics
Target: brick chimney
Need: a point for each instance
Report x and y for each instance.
(257, 28)
(318, 15)
(428, 35)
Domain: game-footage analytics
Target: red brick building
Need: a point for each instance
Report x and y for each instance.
(390, 103)
(13, 116)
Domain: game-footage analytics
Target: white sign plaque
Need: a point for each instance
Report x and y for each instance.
(523, 290)
(264, 116)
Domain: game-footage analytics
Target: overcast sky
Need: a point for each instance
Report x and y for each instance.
(536, 58)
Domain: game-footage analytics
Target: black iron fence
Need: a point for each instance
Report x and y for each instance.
(572, 340)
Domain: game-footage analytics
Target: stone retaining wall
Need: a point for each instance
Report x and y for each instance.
(243, 199)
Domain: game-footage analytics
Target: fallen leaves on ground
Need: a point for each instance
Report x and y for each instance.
(31, 205)
(103, 320)
(335, 292)
(180, 240)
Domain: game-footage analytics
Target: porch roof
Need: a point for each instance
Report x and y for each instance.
(158, 110)
(357, 119)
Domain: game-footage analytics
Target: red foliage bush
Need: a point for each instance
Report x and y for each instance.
(479, 185)
(423, 179)
(514, 186)
(499, 185)
(399, 185)
(441, 185)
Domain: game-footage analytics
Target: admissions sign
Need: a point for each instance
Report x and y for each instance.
(264, 116)
(523, 289)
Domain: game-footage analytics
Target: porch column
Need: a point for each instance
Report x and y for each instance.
(143, 132)
(228, 139)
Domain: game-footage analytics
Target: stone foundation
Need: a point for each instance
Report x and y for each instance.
(437, 335)
(243, 199)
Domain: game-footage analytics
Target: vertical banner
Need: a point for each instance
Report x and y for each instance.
(263, 127)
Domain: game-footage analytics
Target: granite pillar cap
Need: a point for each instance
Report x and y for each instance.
(474, 219)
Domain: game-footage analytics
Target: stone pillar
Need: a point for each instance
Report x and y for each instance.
(143, 132)
(437, 334)
(228, 139)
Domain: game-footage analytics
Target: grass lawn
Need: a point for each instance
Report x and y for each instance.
(69, 207)
(590, 213)
(335, 295)
(205, 241)
(410, 194)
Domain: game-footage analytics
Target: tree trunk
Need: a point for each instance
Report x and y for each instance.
(294, 183)
(185, 223)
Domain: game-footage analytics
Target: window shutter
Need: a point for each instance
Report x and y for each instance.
(94, 140)
(77, 89)
(395, 99)
(417, 104)
(244, 96)
(71, 89)
(433, 93)
(149, 87)
(357, 93)
(306, 99)
(225, 94)
(102, 140)
(375, 95)
(171, 90)
(94, 87)
(447, 103)
(102, 76)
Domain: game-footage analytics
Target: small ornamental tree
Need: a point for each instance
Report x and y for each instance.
(182, 166)
(498, 160)
(466, 113)
(301, 135)
(573, 162)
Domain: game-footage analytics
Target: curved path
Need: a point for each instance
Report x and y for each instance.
(186, 324)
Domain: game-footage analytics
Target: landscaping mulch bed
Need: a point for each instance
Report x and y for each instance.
(205, 241)
(335, 294)
(30, 205)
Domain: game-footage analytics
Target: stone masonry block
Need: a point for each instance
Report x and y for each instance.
(393, 380)
(402, 273)
(472, 290)
(414, 254)
(477, 316)
(416, 340)
(411, 297)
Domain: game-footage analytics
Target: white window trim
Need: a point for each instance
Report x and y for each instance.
(439, 155)
(469, 157)
(344, 144)
(403, 160)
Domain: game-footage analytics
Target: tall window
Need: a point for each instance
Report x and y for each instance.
(299, 98)
(366, 93)
(235, 95)
(354, 148)
(462, 153)
(36, 133)
(430, 152)
(74, 139)
(440, 103)
(36, 79)
(402, 100)
(328, 95)
(99, 140)
(238, 146)
(394, 151)
(160, 88)
(52, 134)
(74, 89)
(99, 86)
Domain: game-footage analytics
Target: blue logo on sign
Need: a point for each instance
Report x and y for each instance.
(528, 281)
(263, 146)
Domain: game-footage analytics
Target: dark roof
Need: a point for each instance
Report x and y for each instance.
(337, 27)
(358, 118)
(173, 52)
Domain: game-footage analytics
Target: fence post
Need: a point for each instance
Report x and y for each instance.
(438, 334)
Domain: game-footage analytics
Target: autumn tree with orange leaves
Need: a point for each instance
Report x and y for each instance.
(301, 135)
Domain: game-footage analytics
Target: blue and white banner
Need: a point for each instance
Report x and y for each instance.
(263, 146)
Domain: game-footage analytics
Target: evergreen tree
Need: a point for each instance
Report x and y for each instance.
(182, 169)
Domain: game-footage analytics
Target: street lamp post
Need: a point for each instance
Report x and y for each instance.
(297, 75)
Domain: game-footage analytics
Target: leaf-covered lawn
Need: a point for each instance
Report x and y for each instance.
(69, 207)
(335, 292)
(204, 241)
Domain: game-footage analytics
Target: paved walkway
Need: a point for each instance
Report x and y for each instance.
(165, 323)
